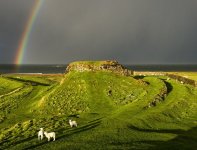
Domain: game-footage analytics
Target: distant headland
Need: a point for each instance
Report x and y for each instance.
(106, 65)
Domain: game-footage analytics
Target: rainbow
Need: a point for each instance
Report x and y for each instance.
(26, 32)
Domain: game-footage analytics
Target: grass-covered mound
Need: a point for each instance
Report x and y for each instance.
(113, 111)
(105, 66)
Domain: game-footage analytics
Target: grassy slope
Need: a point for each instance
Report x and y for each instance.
(7, 85)
(111, 111)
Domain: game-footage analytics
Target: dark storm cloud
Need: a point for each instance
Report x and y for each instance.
(130, 31)
(13, 15)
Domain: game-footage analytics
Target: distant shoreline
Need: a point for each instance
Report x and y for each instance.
(60, 69)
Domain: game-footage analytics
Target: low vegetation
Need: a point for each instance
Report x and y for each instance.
(112, 111)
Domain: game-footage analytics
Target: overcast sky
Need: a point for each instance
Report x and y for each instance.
(129, 31)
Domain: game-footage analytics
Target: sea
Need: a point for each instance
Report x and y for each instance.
(60, 68)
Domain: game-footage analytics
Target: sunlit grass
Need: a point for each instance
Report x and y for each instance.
(112, 112)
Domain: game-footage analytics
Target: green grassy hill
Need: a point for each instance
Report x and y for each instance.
(113, 111)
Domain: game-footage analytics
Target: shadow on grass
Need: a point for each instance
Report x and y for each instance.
(185, 139)
(96, 120)
(18, 142)
(34, 83)
(138, 77)
(175, 131)
(169, 86)
(74, 116)
(64, 132)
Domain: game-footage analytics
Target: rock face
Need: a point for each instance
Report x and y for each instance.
(108, 66)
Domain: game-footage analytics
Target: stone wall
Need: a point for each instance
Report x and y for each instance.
(182, 79)
(170, 75)
(149, 73)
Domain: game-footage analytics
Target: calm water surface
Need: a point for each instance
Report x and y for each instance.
(56, 69)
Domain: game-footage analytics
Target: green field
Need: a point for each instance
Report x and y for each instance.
(112, 111)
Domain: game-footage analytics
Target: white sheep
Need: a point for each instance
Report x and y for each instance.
(72, 123)
(40, 134)
(50, 135)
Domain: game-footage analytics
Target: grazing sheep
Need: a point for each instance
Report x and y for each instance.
(50, 135)
(72, 123)
(40, 134)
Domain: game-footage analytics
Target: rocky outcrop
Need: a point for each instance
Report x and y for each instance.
(108, 66)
